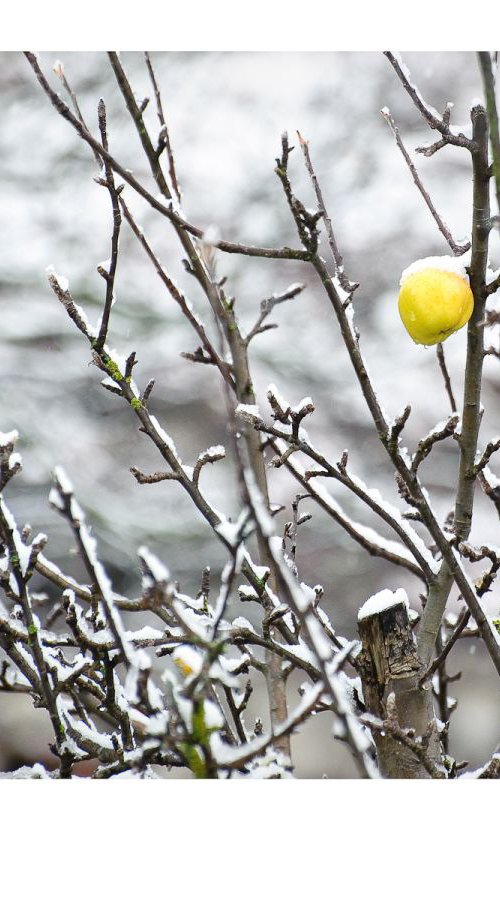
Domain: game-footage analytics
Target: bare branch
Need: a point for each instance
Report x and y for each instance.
(110, 273)
(439, 433)
(446, 377)
(167, 211)
(142, 478)
(164, 141)
(212, 455)
(491, 486)
(337, 257)
(489, 450)
(436, 122)
(457, 249)
(441, 657)
(267, 306)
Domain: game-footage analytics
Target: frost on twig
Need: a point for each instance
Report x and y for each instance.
(211, 455)
(267, 306)
(432, 117)
(60, 286)
(10, 459)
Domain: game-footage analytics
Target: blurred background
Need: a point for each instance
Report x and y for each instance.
(226, 113)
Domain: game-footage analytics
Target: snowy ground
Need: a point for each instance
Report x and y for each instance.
(226, 114)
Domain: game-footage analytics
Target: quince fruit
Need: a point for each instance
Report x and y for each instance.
(435, 299)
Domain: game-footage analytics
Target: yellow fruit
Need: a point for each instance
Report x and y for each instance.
(183, 666)
(188, 660)
(435, 300)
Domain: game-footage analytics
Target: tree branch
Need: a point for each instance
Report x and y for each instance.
(487, 74)
(471, 414)
(457, 249)
(436, 122)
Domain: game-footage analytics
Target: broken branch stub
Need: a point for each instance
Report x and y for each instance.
(389, 669)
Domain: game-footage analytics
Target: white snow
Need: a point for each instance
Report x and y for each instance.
(383, 600)
(454, 264)
(36, 771)
(196, 623)
(146, 633)
(232, 532)
(8, 437)
(188, 659)
(62, 281)
(406, 72)
(136, 659)
(241, 622)
(343, 295)
(491, 478)
(260, 572)
(323, 648)
(249, 412)
(393, 511)
(213, 453)
(318, 489)
(211, 235)
(63, 481)
(247, 591)
(272, 391)
(158, 571)
(165, 437)
(15, 459)
(23, 550)
(305, 402)
(57, 571)
(492, 275)
(212, 714)
(309, 592)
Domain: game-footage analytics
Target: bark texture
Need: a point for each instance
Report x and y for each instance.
(390, 665)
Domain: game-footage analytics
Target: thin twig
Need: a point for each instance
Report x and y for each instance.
(110, 274)
(178, 296)
(359, 533)
(489, 450)
(448, 646)
(435, 436)
(348, 286)
(446, 377)
(59, 71)
(492, 287)
(167, 211)
(491, 487)
(164, 134)
(439, 123)
(267, 306)
(457, 249)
